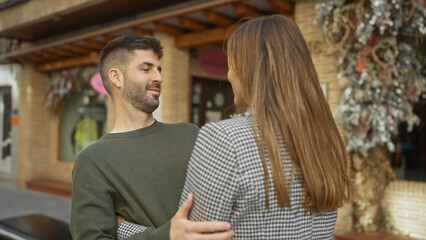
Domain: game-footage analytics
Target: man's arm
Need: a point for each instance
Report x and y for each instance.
(182, 227)
(92, 207)
(93, 214)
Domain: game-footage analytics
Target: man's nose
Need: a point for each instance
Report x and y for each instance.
(157, 77)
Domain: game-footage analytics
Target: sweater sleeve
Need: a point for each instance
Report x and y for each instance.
(92, 208)
(93, 213)
(212, 175)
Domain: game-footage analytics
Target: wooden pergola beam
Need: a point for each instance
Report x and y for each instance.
(141, 31)
(168, 28)
(94, 45)
(23, 60)
(89, 59)
(79, 49)
(50, 55)
(63, 52)
(281, 6)
(244, 10)
(108, 37)
(211, 36)
(190, 7)
(36, 58)
(218, 18)
(192, 24)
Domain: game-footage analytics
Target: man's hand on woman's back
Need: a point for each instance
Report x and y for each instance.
(183, 229)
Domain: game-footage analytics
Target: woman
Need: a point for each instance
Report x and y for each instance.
(278, 171)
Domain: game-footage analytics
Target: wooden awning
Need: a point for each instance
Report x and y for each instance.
(192, 24)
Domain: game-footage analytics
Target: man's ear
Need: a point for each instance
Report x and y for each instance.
(116, 77)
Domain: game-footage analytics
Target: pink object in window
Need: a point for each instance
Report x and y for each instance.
(97, 85)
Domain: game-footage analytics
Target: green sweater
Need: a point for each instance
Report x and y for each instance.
(138, 175)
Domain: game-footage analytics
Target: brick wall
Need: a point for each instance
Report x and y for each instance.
(39, 132)
(404, 205)
(176, 87)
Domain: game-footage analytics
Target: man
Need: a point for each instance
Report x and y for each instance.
(138, 170)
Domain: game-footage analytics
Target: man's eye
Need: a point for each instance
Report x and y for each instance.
(145, 69)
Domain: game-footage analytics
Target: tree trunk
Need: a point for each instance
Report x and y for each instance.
(371, 174)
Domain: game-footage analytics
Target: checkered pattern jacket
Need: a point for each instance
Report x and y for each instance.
(226, 176)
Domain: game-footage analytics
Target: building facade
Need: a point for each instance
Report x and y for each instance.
(192, 33)
(195, 87)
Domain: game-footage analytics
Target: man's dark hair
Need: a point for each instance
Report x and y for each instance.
(118, 52)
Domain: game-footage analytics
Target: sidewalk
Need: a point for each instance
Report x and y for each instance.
(18, 202)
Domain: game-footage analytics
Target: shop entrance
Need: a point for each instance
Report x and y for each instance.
(5, 130)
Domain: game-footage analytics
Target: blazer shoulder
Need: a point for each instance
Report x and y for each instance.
(234, 127)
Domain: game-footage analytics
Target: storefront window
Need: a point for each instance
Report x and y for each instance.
(82, 124)
(78, 97)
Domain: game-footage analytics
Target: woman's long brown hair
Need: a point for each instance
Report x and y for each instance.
(280, 83)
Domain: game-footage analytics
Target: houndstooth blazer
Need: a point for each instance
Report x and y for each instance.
(225, 175)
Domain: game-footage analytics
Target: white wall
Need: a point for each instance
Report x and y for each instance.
(10, 76)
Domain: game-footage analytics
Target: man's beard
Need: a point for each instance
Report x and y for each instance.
(136, 95)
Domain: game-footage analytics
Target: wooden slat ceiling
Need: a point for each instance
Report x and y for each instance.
(192, 26)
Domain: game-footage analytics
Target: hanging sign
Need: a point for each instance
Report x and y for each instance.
(213, 62)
